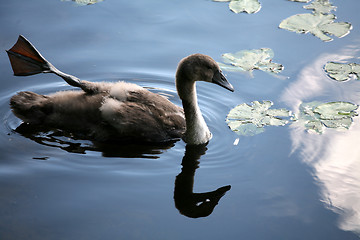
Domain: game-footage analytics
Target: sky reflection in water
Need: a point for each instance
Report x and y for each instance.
(55, 194)
(335, 155)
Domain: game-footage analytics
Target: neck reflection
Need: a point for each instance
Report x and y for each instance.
(192, 204)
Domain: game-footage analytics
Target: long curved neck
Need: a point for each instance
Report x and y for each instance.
(197, 132)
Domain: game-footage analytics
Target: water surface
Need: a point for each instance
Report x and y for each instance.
(285, 183)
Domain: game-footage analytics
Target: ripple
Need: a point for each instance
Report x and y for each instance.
(136, 159)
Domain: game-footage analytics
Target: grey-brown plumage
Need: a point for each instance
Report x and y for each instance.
(106, 111)
(133, 113)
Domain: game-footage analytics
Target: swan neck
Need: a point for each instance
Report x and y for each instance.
(197, 132)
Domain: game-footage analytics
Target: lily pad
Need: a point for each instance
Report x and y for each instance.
(341, 71)
(320, 25)
(321, 6)
(316, 116)
(248, 120)
(248, 60)
(83, 2)
(302, 1)
(248, 6)
(336, 110)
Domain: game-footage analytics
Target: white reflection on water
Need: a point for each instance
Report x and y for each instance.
(335, 155)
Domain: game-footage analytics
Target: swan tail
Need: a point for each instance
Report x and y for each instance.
(30, 107)
(26, 60)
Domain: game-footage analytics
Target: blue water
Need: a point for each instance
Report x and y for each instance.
(285, 183)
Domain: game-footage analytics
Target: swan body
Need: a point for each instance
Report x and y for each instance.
(107, 111)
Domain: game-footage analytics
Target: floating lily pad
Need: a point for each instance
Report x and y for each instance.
(316, 116)
(248, 120)
(248, 60)
(321, 6)
(248, 6)
(83, 2)
(302, 1)
(342, 71)
(320, 25)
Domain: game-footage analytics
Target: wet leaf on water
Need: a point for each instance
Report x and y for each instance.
(320, 25)
(248, 60)
(316, 116)
(342, 71)
(248, 6)
(83, 2)
(321, 6)
(336, 110)
(248, 120)
(245, 129)
(302, 1)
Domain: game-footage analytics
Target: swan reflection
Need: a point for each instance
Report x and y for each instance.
(192, 204)
(188, 203)
(69, 142)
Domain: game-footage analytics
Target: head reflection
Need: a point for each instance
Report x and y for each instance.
(192, 204)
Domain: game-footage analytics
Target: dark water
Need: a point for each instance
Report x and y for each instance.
(285, 182)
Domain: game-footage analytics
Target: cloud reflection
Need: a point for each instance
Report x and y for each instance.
(335, 155)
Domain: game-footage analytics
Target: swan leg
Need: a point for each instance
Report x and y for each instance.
(26, 60)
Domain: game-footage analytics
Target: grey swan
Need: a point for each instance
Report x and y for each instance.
(121, 110)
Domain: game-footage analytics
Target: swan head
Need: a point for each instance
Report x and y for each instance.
(199, 67)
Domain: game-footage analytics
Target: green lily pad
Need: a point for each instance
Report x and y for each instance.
(83, 2)
(302, 1)
(248, 120)
(320, 25)
(316, 116)
(248, 6)
(336, 110)
(341, 71)
(321, 6)
(245, 129)
(248, 60)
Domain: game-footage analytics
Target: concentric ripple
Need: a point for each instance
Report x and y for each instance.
(214, 102)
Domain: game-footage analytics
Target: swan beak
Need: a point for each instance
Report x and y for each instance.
(221, 80)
